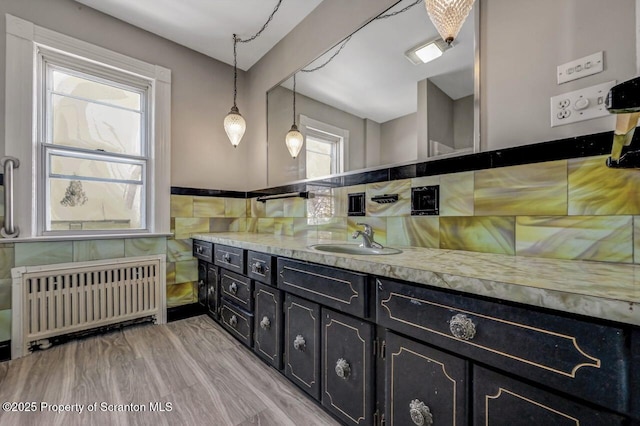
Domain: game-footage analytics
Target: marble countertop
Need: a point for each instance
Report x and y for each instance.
(608, 291)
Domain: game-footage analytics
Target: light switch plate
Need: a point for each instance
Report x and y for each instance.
(580, 105)
(589, 65)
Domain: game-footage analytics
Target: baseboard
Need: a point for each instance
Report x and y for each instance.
(5, 350)
(185, 311)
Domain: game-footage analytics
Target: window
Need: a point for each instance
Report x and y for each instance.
(95, 151)
(325, 151)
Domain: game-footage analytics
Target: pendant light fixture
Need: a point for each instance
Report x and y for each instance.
(294, 139)
(234, 123)
(448, 16)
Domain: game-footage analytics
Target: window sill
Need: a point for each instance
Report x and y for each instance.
(84, 237)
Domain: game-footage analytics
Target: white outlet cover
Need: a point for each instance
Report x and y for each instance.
(570, 107)
(589, 65)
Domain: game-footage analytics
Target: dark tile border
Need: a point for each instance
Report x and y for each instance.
(185, 311)
(561, 149)
(1, 179)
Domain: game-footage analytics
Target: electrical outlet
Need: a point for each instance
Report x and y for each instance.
(589, 65)
(580, 105)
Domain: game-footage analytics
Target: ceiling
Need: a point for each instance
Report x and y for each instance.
(207, 26)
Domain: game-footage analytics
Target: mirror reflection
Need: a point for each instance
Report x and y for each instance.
(371, 101)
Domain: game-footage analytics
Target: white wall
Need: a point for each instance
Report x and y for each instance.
(399, 140)
(522, 43)
(463, 122)
(202, 93)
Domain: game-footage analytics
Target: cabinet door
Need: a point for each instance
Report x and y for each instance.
(267, 335)
(347, 368)
(202, 283)
(501, 401)
(302, 344)
(213, 294)
(424, 386)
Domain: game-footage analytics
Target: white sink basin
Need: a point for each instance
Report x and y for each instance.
(353, 249)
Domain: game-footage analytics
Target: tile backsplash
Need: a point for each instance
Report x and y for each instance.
(565, 209)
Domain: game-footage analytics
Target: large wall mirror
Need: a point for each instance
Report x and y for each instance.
(369, 102)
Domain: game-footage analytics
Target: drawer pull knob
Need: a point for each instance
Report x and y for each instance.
(462, 327)
(299, 343)
(233, 321)
(265, 324)
(343, 368)
(259, 268)
(233, 288)
(226, 257)
(420, 413)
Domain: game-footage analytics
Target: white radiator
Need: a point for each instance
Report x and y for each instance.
(54, 300)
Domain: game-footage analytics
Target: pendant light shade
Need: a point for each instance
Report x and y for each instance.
(294, 141)
(448, 16)
(294, 138)
(235, 126)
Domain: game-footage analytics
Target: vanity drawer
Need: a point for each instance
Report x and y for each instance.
(336, 288)
(260, 266)
(228, 257)
(237, 289)
(587, 360)
(203, 250)
(238, 322)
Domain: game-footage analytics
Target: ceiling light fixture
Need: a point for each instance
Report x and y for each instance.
(448, 16)
(234, 123)
(427, 52)
(294, 138)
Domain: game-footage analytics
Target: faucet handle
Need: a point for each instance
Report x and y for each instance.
(367, 228)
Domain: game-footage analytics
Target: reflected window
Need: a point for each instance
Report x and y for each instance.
(324, 148)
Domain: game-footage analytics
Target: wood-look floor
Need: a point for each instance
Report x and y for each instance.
(206, 375)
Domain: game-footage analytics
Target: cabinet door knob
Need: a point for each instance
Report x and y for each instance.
(462, 327)
(233, 288)
(343, 368)
(265, 324)
(299, 343)
(420, 413)
(226, 257)
(233, 321)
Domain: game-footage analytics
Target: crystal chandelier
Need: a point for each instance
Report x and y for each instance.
(234, 124)
(294, 138)
(448, 16)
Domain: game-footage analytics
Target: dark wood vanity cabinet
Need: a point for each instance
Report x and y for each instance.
(348, 368)
(377, 351)
(424, 385)
(267, 335)
(208, 294)
(302, 344)
(202, 284)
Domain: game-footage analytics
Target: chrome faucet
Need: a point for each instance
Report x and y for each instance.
(367, 237)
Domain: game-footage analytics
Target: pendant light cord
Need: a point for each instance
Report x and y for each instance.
(264, 27)
(344, 43)
(235, 69)
(294, 99)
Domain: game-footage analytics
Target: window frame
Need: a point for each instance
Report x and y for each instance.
(312, 127)
(23, 135)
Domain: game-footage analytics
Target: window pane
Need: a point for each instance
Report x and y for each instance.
(319, 146)
(91, 168)
(83, 124)
(92, 90)
(318, 165)
(85, 205)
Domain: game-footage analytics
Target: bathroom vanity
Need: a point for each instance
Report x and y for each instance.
(433, 336)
